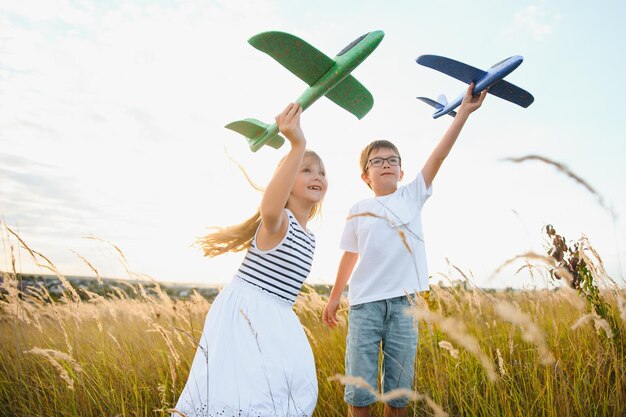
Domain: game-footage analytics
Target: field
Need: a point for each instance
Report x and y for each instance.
(552, 352)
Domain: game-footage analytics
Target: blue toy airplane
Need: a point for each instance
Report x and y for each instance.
(491, 79)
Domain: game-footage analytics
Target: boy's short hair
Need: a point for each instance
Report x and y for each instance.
(375, 145)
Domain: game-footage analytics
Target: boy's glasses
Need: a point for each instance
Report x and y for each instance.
(378, 162)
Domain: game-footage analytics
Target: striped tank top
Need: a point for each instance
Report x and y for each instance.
(282, 269)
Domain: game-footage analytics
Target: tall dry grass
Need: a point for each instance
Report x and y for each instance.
(543, 352)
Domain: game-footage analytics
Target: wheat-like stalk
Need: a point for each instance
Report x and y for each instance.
(500, 363)
(598, 322)
(448, 346)
(530, 331)
(621, 305)
(569, 173)
(400, 232)
(456, 330)
(391, 395)
(53, 357)
(93, 268)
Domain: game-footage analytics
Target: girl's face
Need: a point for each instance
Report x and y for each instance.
(311, 184)
(383, 179)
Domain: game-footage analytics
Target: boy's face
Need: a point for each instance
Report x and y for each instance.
(383, 180)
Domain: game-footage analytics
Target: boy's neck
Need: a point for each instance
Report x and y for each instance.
(384, 191)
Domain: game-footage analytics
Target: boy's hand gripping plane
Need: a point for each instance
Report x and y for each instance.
(325, 76)
(491, 79)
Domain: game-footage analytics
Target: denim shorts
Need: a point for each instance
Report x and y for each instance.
(372, 326)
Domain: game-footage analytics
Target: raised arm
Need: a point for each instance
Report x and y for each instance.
(273, 219)
(444, 146)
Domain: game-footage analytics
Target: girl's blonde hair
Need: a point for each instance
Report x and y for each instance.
(238, 237)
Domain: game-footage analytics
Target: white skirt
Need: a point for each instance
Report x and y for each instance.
(253, 359)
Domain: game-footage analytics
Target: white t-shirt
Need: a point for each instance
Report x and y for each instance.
(382, 230)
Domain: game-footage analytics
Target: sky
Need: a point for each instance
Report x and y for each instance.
(112, 119)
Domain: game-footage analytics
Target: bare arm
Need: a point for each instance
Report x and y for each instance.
(273, 219)
(346, 266)
(444, 146)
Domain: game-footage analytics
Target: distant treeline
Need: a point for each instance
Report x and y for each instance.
(108, 287)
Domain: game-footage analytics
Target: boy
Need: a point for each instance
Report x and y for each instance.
(385, 232)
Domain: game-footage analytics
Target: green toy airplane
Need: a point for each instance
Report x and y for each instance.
(325, 76)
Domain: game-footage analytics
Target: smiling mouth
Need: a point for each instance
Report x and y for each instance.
(315, 187)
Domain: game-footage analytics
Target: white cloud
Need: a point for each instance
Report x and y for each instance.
(78, 13)
(534, 21)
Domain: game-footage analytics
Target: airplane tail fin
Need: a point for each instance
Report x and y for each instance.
(438, 105)
(257, 133)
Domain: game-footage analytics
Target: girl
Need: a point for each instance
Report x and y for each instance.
(253, 358)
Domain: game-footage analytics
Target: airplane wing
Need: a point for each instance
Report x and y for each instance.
(510, 92)
(309, 64)
(352, 96)
(254, 130)
(436, 104)
(302, 59)
(455, 69)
